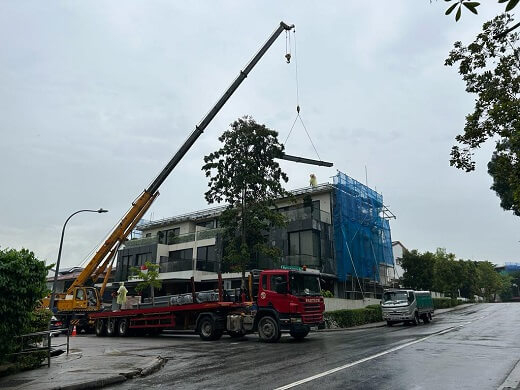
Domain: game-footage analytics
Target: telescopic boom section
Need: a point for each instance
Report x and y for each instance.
(146, 198)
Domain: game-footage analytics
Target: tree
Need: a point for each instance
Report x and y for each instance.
(472, 6)
(418, 269)
(490, 67)
(150, 278)
(244, 174)
(22, 286)
(489, 280)
(447, 273)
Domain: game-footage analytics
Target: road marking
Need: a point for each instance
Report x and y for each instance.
(386, 352)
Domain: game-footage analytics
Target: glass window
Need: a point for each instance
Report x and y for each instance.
(264, 282)
(294, 243)
(305, 242)
(80, 294)
(142, 258)
(278, 283)
(184, 254)
(304, 284)
(206, 253)
(167, 236)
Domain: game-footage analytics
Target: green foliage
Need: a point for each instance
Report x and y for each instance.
(418, 270)
(22, 286)
(442, 272)
(354, 317)
(150, 278)
(506, 292)
(473, 5)
(444, 303)
(244, 174)
(489, 280)
(327, 294)
(490, 67)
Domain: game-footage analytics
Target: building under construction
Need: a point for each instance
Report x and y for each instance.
(340, 229)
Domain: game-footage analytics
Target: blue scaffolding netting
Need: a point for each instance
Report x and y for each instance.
(361, 232)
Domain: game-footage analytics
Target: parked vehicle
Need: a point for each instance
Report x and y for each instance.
(407, 306)
(282, 300)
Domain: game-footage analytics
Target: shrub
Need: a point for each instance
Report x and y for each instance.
(22, 285)
(444, 303)
(327, 294)
(353, 317)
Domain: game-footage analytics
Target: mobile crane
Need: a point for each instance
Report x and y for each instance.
(81, 299)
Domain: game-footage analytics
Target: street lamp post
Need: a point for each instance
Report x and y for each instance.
(53, 293)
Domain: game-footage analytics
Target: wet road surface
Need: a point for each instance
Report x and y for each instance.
(473, 348)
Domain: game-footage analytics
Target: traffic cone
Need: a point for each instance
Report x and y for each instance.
(74, 333)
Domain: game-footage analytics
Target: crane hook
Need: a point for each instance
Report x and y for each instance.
(288, 58)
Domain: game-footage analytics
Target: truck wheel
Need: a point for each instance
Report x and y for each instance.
(415, 320)
(268, 330)
(300, 334)
(111, 327)
(207, 329)
(100, 327)
(425, 318)
(389, 323)
(123, 327)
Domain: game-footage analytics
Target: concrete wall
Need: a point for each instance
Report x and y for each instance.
(332, 304)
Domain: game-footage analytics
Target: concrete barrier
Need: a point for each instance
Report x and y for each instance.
(332, 304)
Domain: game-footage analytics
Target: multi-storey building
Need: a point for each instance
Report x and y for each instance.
(332, 228)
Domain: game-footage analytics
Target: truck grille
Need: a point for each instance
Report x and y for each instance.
(312, 313)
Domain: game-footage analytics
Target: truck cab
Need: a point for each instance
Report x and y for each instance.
(288, 300)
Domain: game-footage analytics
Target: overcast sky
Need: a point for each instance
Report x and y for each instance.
(96, 97)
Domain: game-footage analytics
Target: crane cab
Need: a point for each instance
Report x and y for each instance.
(79, 299)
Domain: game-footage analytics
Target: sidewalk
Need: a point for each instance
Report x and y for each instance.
(84, 368)
(383, 323)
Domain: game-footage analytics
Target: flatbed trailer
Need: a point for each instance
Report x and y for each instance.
(156, 319)
(281, 300)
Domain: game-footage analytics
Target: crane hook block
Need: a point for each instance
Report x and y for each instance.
(288, 58)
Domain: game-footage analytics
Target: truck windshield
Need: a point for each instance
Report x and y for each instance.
(304, 284)
(395, 297)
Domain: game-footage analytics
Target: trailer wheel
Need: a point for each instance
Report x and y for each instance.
(300, 334)
(111, 327)
(123, 327)
(100, 327)
(268, 329)
(208, 330)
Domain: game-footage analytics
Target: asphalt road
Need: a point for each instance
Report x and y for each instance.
(473, 348)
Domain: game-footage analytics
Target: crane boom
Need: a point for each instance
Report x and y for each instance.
(146, 198)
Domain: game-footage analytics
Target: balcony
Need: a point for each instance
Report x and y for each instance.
(170, 240)
(306, 213)
(190, 237)
(141, 242)
(187, 265)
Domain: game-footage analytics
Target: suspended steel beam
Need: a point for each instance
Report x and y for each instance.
(303, 160)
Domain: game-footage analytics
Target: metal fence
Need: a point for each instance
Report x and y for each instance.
(40, 342)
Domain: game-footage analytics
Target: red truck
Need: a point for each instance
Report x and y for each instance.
(282, 300)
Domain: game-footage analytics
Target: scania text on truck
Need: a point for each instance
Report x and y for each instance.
(406, 306)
